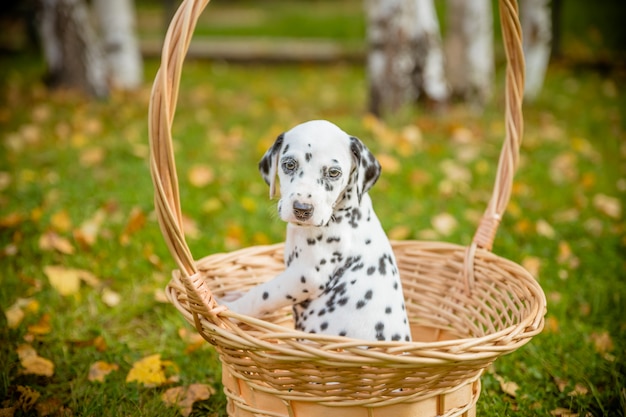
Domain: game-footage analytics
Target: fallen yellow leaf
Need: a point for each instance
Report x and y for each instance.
(16, 313)
(136, 221)
(192, 338)
(200, 175)
(11, 220)
(399, 232)
(507, 387)
(89, 230)
(545, 229)
(42, 326)
(92, 157)
(389, 163)
(563, 412)
(26, 399)
(445, 224)
(65, 281)
(33, 363)
(110, 297)
(602, 341)
(61, 222)
(610, 206)
(150, 371)
(532, 264)
(100, 369)
(185, 397)
(51, 241)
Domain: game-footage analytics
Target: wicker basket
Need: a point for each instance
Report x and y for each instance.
(467, 306)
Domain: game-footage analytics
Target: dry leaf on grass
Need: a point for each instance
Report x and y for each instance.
(389, 164)
(445, 224)
(545, 229)
(185, 397)
(532, 264)
(136, 221)
(16, 313)
(89, 230)
(150, 371)
(61, 221)
(110, 297)
(67, 280)
(100, 369)
(192, 338)
(200, 175)
(563, 412)
(602, 342)
(23, 399)
(51, 241)
(33, 363)
(507, 387)
(42, 326)
(610, 206)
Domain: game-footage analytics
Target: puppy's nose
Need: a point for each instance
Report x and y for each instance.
(302, 211)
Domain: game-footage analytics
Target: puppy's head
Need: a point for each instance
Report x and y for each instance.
(321, 168)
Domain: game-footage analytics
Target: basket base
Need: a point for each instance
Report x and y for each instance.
(244, 400)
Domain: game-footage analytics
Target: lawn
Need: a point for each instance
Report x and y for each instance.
(83, 264)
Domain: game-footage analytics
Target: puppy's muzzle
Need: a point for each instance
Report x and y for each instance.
(302, 211)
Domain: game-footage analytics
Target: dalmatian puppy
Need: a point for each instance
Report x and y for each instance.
(341, 276)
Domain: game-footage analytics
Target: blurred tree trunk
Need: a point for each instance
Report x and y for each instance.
(469, 50)
(536, 30)
(405, 59)
(121, 47)
(71, 47)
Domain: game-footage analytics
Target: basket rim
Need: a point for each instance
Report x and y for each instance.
(267, 334)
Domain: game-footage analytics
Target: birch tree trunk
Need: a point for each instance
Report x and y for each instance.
(116, 19)
(405, 59)
(536, 23)
(469, 50)
(71, 47)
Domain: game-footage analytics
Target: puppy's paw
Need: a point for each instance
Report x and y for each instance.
(230, 296)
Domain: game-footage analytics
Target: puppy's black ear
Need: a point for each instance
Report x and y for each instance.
(268, 166)
(367, 168)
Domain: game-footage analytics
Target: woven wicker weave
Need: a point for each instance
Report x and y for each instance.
(466, 305)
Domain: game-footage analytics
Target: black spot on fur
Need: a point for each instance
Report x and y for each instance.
(308, 156)
(382, 266)
(357, 267)
(371, 270)
(388, 310)
(265, 295)
(355, 217)
(310, 241)
(332, 239)
(324, 326)
(380, 327)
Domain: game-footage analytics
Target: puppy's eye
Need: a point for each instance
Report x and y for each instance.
(334, 173)
(289, 165)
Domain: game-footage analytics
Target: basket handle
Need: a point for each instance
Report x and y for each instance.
(514, 121)
(163, 168)
(162, 164)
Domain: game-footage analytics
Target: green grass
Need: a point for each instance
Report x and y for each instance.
(574, 151)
